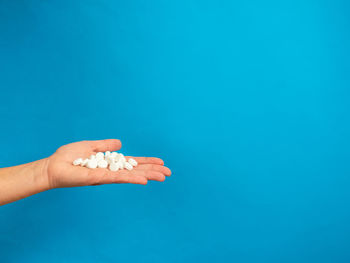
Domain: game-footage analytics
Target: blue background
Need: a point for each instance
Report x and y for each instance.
(246, 101)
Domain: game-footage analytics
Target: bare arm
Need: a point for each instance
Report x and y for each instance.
(57, 171)
(22, 181)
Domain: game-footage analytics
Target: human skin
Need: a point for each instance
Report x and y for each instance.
(57, 171)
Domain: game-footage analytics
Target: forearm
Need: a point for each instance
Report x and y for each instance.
(22, 181)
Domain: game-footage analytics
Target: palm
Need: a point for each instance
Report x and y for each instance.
(61, 173)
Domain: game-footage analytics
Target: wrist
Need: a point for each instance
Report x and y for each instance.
(21, 181)
(40, 174)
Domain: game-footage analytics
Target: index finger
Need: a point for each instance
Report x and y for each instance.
(147, 160)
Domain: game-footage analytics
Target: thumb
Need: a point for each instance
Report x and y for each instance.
(106, 145)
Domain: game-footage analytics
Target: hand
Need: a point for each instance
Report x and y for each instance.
(60, 172)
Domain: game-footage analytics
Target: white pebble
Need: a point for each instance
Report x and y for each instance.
(109, 159)
(100, 156)
(102, 164)
(132, 161)
(122, 158)
(84, 163)
(113, 160)
(92, 164)
(128, 166)
(114, 167)
(78, 161)
(116, 159)
(121, 164)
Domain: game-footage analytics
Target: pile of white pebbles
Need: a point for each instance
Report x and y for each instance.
(113, 160)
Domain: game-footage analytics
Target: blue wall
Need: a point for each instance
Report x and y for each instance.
(246, 101)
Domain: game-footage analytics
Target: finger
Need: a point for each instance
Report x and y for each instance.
(103, 176)
(106, 145)
(149, 174)
(130, 179)
(147, 160)
(154, 167)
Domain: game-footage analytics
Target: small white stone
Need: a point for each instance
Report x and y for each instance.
(84, 163)
(121, 164)
(102, 164)
(77, 161)
(109, 159)
(128, 166)
(100, 156)
(116, 159)
(122, 158)
(92, 164)
(114, 167)
(133, 162)
(112, 160)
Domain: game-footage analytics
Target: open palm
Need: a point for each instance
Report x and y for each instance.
(61, 173)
